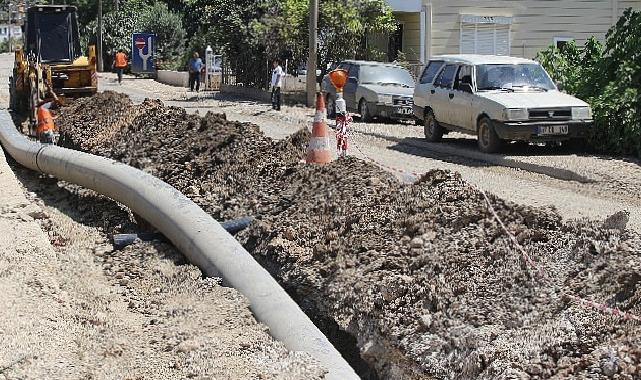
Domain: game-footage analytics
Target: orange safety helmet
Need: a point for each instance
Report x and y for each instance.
(45, 121)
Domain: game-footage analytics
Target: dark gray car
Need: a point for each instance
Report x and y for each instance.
(374, 89)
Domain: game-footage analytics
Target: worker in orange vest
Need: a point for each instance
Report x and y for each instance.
(120, 63)
(45, 130)
(46, 127)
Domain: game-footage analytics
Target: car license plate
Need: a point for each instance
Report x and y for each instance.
(554, 130)
(404, 111)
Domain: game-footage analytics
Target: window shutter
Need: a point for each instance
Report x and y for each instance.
(468, 38)
(502, 40)
(485, 35)
(485, 39)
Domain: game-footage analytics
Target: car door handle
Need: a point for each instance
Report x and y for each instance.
(433, 91)
(451, 96)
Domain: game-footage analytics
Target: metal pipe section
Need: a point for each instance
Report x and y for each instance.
(195, 233)
(122, 240)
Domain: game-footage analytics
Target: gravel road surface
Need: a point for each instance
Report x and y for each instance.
(613, 184)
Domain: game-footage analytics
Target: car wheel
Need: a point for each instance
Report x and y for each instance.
(488, 140)
(363, 109)
(331, 107)
(432, 129)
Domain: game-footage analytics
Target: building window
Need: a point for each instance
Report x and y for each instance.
(395, 43)
(485, 35)
(560, 42)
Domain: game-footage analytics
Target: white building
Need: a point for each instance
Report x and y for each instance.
(16, 32)
(505, 27)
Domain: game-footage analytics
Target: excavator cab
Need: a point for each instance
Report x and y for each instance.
(51, 61)
(52, 34)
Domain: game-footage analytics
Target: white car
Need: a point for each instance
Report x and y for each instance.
(373, 89)
(497, 99)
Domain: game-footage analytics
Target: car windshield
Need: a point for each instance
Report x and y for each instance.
(386, 76)
(528, 76)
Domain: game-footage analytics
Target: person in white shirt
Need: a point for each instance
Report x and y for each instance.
(277, 83)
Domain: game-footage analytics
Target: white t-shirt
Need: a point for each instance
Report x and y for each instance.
(277, 77)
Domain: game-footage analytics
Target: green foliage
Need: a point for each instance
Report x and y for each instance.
(168, 27)
(282, 30)
(402, 60)
(225, 25)
(139, 16)
(342, 27)
(609, 78)
(4, 44)
(88, 9)
(251, 33)
(344, 24)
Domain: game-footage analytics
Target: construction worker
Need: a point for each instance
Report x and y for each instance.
(120, 63)
(45, 130)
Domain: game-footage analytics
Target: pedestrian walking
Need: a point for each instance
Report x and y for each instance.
(277, 83)
(195, 67)
(120, 64)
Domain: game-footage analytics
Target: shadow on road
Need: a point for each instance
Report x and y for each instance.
(464, 155)
(419, 147)
(513, 149)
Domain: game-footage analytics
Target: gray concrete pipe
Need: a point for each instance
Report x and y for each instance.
(195, 233)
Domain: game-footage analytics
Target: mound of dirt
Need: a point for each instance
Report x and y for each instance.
(423, 276)
(207, 158)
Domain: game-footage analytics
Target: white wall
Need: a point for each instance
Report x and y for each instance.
(173, 78)
(535, 22)
(16, 32)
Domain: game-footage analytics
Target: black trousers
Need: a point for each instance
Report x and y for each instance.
(194, 81)
(276, 98)
(119, 71)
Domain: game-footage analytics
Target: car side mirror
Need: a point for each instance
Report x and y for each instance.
(466, 87)
(559, 86)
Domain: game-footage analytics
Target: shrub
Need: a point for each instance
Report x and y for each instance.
(609, 78)
(140, 16)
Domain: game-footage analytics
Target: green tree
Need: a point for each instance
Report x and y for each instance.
(342, 27)
(140, 16)
(344, 24)
(283, 29)
(609, 78)
(225, 25)
(250, 33)
(169, 30)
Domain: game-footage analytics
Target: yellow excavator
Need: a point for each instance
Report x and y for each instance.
(51, 65)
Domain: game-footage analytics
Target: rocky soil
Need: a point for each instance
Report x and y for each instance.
(422, 275)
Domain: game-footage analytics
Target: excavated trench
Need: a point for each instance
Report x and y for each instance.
(411, 281)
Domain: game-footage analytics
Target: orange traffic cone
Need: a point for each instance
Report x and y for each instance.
(318, 151)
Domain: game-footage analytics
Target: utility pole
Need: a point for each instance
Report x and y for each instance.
(99, 38)
(9, 30)
(311, 60)
(116, 5)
